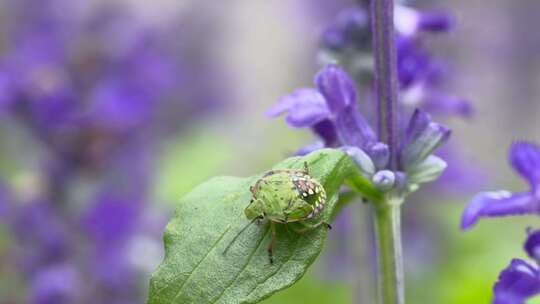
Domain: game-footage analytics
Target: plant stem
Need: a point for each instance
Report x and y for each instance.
(384, 49)
(387, 213)
(364, 285)
(390, 257)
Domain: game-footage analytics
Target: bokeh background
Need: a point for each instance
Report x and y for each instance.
(110, 111)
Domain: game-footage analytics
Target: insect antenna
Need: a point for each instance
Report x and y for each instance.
(240, 232)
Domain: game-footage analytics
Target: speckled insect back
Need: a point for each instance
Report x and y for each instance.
(285, 196)
(311, 191)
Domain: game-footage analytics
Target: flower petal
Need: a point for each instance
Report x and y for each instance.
(422, 138)
(525, 158)
(436, 21)
(500, 203)
(440, 102)
(302, 116)
(337, 87)
(55, 282)
(326, 131)
(417, 124)
(286, 103)
(532, 245)
(519, 281)
(351, 28)
(353, 129)
(380, 154)
(305, 106)
(406, 20)
(426, 171)
(364, 162)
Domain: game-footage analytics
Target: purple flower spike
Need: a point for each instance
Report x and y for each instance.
(518, 282)
(525, 158)
(532, 245)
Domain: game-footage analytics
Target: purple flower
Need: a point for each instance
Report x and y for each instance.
(410, 21)
(351, 28)
(41, 235)
(332, 112)
(56, 284)
(525, 158)
(100, 89)
(421, 75)
(422, 137)
(330, 109)
(521, 279)
(112, 218)
(420, 78)
(5, 201)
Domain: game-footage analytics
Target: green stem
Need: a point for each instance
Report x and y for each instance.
(390, 257)
(364, 285)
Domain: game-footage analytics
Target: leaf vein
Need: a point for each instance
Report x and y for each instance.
(280, 266)
(243, 267)
(199, 263)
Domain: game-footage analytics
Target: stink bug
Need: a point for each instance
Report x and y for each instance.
(284, 196)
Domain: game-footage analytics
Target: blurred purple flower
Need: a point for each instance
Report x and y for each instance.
(111, 218)
(350, 27)
(42, 237)
(56, 284)
(521, 279)
(420, 75)
(100, 89)
(410, 21)
(5, 201)
(525, 158)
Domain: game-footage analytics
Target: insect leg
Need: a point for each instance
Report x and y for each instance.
(306, 169)
(272, 242)
(309, 227)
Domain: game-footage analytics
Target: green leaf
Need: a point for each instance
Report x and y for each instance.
(196, 270)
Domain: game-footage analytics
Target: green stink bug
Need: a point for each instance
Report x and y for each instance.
(284, 196)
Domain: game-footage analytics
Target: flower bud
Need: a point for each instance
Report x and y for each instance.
(364, 162)
(380, 155)
(384, 180)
